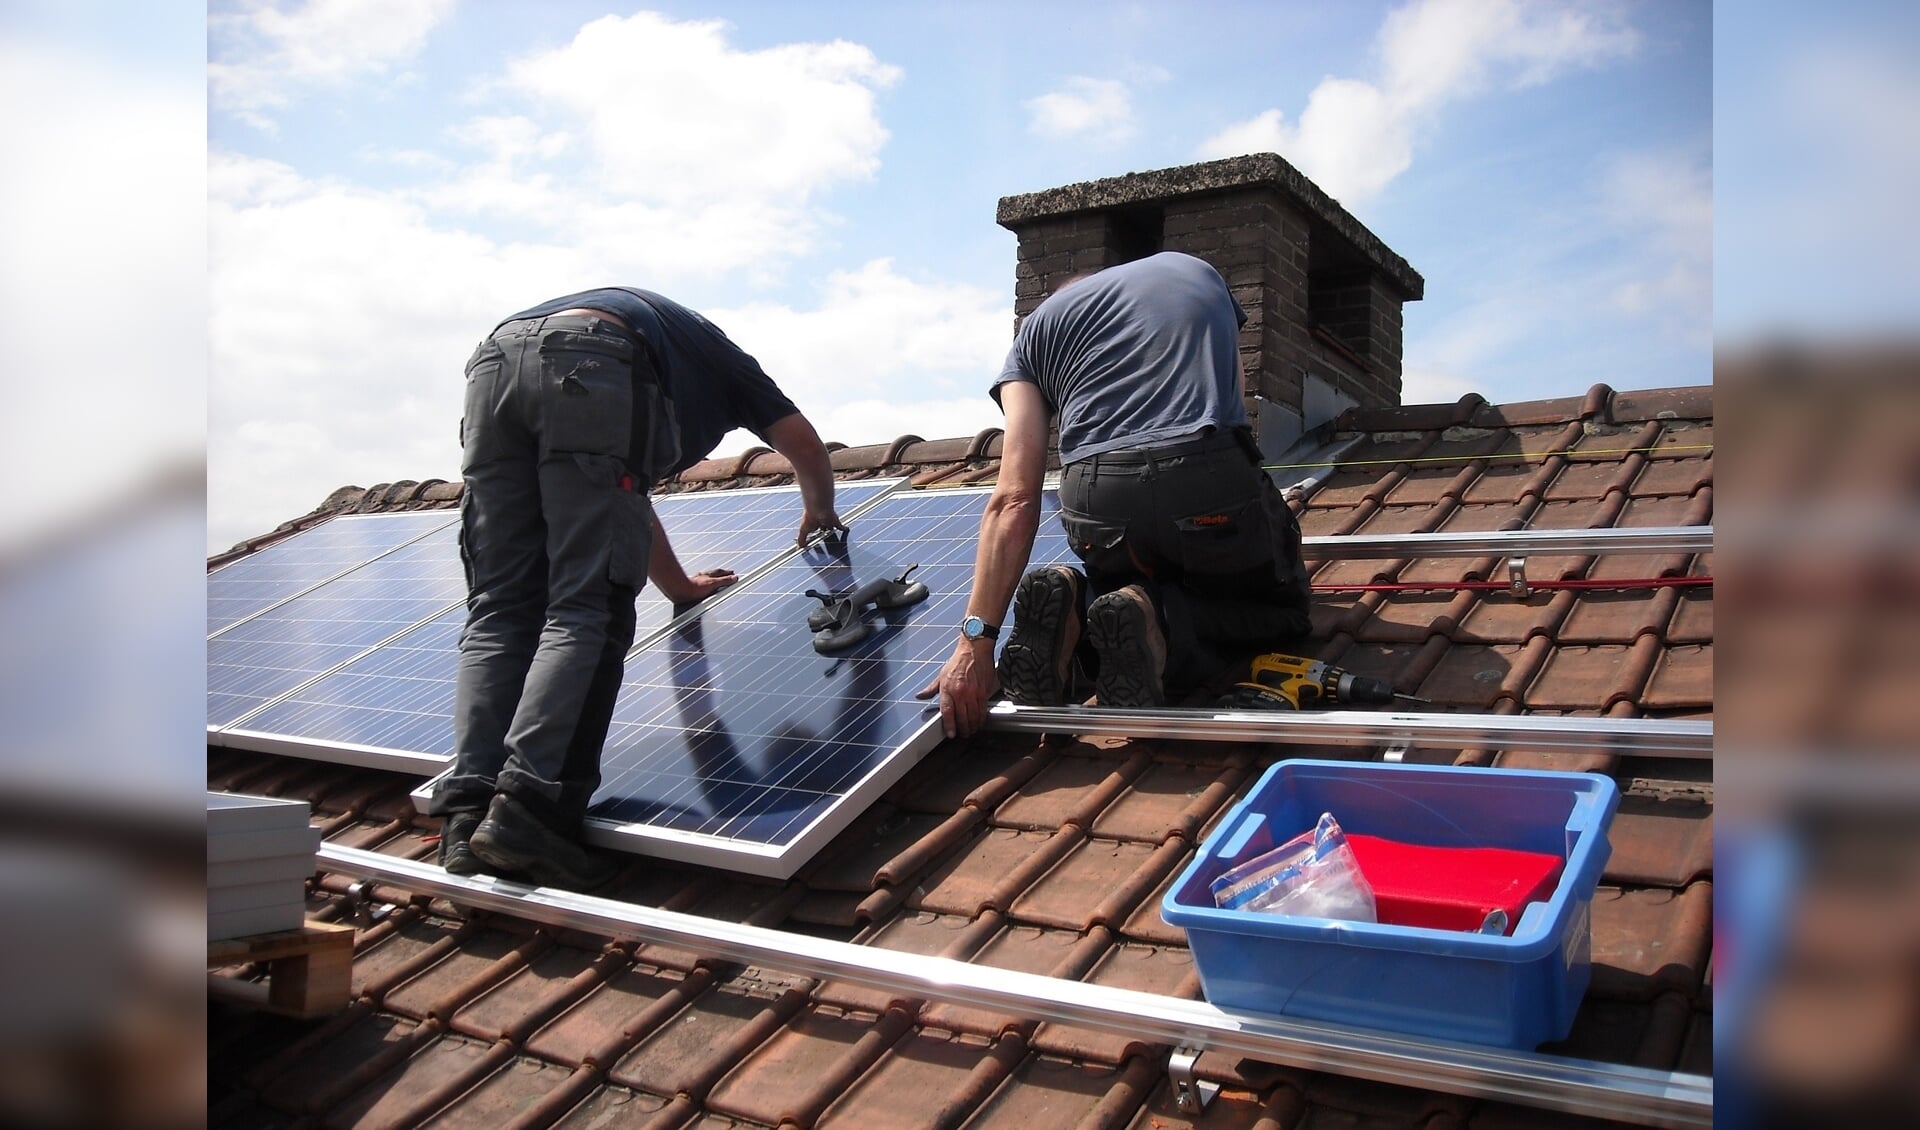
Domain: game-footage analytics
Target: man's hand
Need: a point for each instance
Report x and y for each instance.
(699, 586)
(815, 522)
(964, 686)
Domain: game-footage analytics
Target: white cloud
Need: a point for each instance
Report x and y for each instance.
(673, 113)
(342, 318)
(891, 354)
(1101, 109)
(643, 150)
(1665, 202)
(1355, 136)
(267, 54)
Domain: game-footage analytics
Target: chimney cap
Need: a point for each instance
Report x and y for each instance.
(1254, 170)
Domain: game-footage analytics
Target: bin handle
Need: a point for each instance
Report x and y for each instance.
(1238, 834)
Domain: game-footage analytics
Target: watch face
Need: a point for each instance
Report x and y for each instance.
(973, 627)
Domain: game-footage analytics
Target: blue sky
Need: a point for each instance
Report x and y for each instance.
(387, 179)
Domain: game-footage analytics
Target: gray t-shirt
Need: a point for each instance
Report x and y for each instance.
(1137, 355)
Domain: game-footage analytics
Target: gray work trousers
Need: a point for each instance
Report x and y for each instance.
(555, 530)
(1200, 525)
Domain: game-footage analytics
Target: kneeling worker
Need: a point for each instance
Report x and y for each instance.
(1190, 552)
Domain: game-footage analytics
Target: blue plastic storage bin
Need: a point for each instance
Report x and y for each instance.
(1514, 991)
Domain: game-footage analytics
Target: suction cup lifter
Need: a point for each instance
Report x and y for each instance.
(838, 625)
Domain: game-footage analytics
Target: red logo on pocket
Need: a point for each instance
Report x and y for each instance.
(1210, 520)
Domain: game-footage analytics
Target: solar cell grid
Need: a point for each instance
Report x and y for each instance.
(312, 557)
(253, 662)
(399, 698)
(735, 737)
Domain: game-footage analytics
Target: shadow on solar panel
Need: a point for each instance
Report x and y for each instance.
(736, 743)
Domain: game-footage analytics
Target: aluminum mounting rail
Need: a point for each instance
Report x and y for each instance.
(1480, 543)
(1630, 737)
(1600, 1090)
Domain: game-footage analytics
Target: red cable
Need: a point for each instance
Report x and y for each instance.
(1536, 586)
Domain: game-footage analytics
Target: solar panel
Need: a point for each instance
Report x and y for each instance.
(257, 660)
(736, 744)
(310, 558)
(393, 707)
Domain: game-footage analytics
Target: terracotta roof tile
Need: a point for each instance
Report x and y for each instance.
(1082, 890)
(952, 1073)
(978, 876)
(1049, 1091)
(478, 963)
(1167, 970)
(1651, 940)
(1053, 857)
(706, 1039)
(802, 1067)
(522, 1087)
(446, 1066)
(1695, 403)
(1025, 949)
(615, 1013)
(1533, 412)
(556, 978)
(1170, 798)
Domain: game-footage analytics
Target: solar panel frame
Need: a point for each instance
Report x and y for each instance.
(415, 734)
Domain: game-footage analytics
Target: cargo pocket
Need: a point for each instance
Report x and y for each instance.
(1100, 544)
(586, 386)
(1226, 540)
(632, 535)
(657, 450)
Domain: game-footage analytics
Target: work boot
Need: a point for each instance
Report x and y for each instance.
(456, 850)
(1036, 665)
(522, 846)
(1125, 632)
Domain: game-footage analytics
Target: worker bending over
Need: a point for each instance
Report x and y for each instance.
(575, 408)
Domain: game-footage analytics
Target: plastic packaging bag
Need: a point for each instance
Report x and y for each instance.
(1313, 875)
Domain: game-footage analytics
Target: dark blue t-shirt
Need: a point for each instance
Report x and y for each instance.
(1137, 355)
(715, 385)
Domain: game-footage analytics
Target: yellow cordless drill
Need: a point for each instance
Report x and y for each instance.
(1290, 682)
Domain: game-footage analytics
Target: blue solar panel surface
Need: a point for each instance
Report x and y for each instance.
(256, 661)
(311, 557)
(400, 697)
(733, 727)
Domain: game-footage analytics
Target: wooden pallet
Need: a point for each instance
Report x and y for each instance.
(309, 970)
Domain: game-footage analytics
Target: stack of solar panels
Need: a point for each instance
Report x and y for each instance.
(259, 853)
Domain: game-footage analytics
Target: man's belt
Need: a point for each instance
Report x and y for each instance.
(1220, 440)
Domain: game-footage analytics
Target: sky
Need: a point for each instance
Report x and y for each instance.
(223, 297)
(386, 179)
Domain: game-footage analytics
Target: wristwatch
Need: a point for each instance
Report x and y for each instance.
(974, 628)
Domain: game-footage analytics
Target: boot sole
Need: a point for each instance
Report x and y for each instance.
(1030, 670)
(1127, 677)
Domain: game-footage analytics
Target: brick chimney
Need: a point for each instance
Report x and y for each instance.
(1322, 293)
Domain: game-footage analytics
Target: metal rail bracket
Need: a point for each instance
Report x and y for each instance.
(1190, 1093)
(1517, 577)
